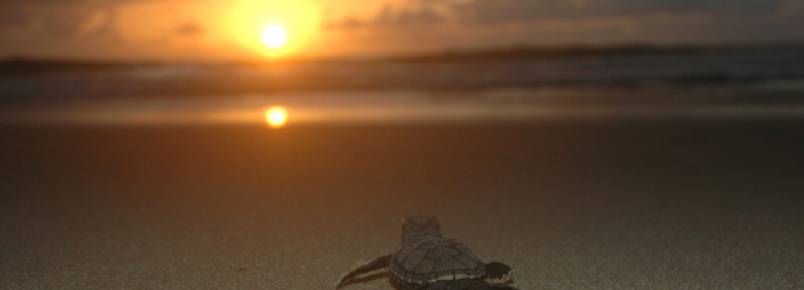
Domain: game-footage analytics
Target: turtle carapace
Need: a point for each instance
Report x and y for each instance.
(429, 261)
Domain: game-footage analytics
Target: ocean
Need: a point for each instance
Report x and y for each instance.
(655, 83)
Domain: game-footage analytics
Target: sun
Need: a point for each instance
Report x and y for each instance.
(274, 36)
(276, 117)
(274, 28)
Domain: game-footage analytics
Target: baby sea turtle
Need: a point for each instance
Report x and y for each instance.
(428, 261)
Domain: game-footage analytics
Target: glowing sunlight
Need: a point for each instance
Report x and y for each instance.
(274, 36)
(275, 28)
(276, 117)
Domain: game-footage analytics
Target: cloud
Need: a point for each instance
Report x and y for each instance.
(416, 13)
(57, 18)
(550, 21)
(424, 12)
(98, 24)
(494, 11)
(190, 29)
(44, 27)
(11, 18)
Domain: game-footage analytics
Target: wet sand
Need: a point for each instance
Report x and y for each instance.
(628, 204)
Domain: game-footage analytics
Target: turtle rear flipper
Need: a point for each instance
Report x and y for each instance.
(373, 265)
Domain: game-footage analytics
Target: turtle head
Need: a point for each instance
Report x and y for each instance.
(498, 273)
(416, 226)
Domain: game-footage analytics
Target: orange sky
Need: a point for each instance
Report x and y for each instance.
(226, 29)
(231, 29)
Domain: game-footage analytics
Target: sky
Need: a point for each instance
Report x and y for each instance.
(233, 29)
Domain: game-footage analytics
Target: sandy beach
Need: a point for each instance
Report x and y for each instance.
(278, 145)
(627, 204)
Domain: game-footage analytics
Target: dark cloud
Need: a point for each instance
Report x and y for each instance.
(424, 12)
(573, 21)
(673, 21)
(490, 11)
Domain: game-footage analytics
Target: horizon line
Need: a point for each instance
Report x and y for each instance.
(446, 54)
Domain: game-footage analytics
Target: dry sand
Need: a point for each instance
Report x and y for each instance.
(587, 205)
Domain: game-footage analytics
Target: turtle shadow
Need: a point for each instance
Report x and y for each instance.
(457, 285)
(386, 275)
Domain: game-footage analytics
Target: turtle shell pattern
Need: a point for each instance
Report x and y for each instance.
(432, 259)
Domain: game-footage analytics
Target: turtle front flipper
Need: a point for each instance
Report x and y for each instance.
(373, 265)
(499, 274)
